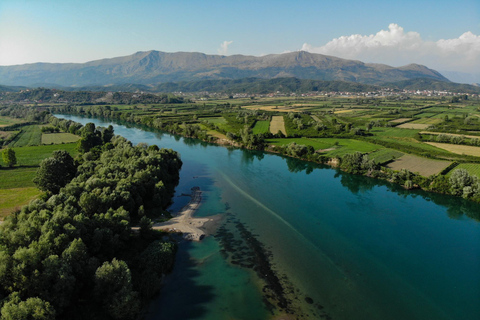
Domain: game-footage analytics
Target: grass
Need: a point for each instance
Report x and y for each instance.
(315, 143)
(411, 125)
(59, 138)
(17, 177)
(7, 121)
(339, 147)
(261, 127)
(29, 136)
(472, 168)
(214, 120)
(384, 155)
(14, 199)
(428, 121)
(33, 155)
(393, 132)
(457, 148)
(423, 166)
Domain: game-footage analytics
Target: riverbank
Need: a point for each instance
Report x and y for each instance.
(191, 228)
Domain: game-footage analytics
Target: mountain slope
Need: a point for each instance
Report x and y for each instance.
(155, 67)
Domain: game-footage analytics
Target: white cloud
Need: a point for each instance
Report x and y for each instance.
(397, 47)
(223, 50)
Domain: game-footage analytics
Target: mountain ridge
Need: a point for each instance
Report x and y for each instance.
(156, 67)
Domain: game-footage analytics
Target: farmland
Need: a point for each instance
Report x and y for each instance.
(7, 121)
(277, 125)
(423, 166)
(59, 138)
(32, 155)
(472, 168)
(458, 149)
(261, 127)
(29, 136)
(399, 133)
(16, 184)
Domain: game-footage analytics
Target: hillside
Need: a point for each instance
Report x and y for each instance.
(155, 67)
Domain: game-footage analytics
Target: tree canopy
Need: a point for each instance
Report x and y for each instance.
(73, 254)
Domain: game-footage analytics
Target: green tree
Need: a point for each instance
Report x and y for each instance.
(9, 157)
(55, 172)
(31, 309)
(113, 287)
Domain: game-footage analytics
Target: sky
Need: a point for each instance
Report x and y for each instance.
(443, 35)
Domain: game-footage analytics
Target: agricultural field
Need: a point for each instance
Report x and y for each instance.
(417, 126)
(32, 155)
(385, 155)
(457, 148)
(277, 124)
(400, 120)
(16, 184)
(29, 136)
(449, 134)
(394, 132)
(59, 138)
(214, 120)
(423, 166)
(472, 168)
(429, 121)
(331, 147)
(7, 121)
(261, 127)
(6, 134)
(14, 199)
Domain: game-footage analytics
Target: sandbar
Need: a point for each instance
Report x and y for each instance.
(193, 229)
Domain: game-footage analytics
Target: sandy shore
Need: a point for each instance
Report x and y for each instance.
(194, 229)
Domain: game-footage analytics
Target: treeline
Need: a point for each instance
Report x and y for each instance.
(264, 86)
(432, 84)
(29, 116)
(44, 95)
(72, 254)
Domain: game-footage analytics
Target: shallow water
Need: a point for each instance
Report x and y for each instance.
(356, 247)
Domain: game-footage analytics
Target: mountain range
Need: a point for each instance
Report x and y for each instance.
(152, 68)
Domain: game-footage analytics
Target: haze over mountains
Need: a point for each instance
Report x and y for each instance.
(152, 68)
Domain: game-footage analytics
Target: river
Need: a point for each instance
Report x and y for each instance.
(342, 246)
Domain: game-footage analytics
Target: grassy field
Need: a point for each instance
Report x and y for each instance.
(33, 155)
(261, 127)
(457, 148)
(214, 120)
(330, 146)
(59, 138)
(393, 132)
(17, 177)
(317, 144)
(277, 124)
(384, 155)
(14, 199)
(16, 184)
(472, 168)
(410, 125)
(30, 136)
(428, 121)
(423, 166)
(401, 120)
(7, 121)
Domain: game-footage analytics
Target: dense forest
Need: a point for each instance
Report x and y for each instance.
(44, 95)
(72, 254)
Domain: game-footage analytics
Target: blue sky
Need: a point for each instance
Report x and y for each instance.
(79, 31)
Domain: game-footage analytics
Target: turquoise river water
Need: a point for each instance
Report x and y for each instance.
(342, 246)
